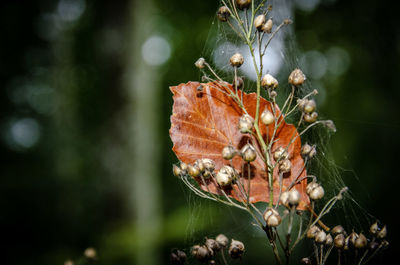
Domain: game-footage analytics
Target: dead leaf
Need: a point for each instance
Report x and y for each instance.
(205, 120)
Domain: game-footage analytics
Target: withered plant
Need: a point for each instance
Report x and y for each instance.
(238, 149)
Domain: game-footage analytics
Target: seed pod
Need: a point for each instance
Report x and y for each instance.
(68, 262)
(294, 197)
(285, 166)
(310, 117)
(193, 171)
(246, 123)
(287, 21)
(212, 244)
(320, 237)
(208, 164)
(212, 262)
(352, 238)
(90, 254)
(315, 191)
(178, 257)
(272, 217)
(310, 106)
(223, 14)
(267, 27)
(236, 60)
(176, 170)
(339, 241)
(312, 232)
(374, 228)
(297, 77)
(184, 167)
(347, 243)
(268, 81)
(306, 261)
(280, 154)
(200, 63)
(248, 153)
(329, 240)
(337, 230)
(222, 240)
(238, 82)
(382, 233)
(225, 176)
(273, 94)
(228, 152)
(243, 4)
(199, 164)
(361, 241)
(267, 117)
(284, 199)
(259, 22)
(236, 249)
(202, 253)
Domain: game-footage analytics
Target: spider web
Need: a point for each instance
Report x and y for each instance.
(281, 58)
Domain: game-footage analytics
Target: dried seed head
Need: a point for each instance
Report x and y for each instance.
(294, 197)
(200, 63)
(267, 27)
(236, 249)
(273, 94)
(246, 123)
(310, 117)
(236, 60)
(225, 176)
(267, 117)
(212, 244)
(193, 171)
(382, 233)
(202, 253)
(223, 13)
(352, 238)
(208, 164)
(268, 81)
(238, 82)
(178, 257)
(330, 125)
(320, 237)
(184, 167)
(176, 170)
(308, 151)
(374, 228)
(285, 166)
(243, 4)
(312, 232)
(248, 153)
(297, 77)
(90, 253)
(272, 217)
(222, 240)
(329, 240)
(228, 152)
(337, 230)
(361, 241)
(339, 241)
(259, 22)
(199, 164)
(280, 154)
(284, 199)
(315, 191)
(347, 243)
(287, 21)
(310, 106)
(212, 262)
(306, 261)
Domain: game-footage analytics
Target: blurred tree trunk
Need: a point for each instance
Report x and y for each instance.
(142, 83)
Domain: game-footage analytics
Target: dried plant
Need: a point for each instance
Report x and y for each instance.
(238, 149)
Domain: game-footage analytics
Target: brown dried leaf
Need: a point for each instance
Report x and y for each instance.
(204, 121)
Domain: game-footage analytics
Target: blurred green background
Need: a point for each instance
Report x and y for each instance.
(85, 105)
